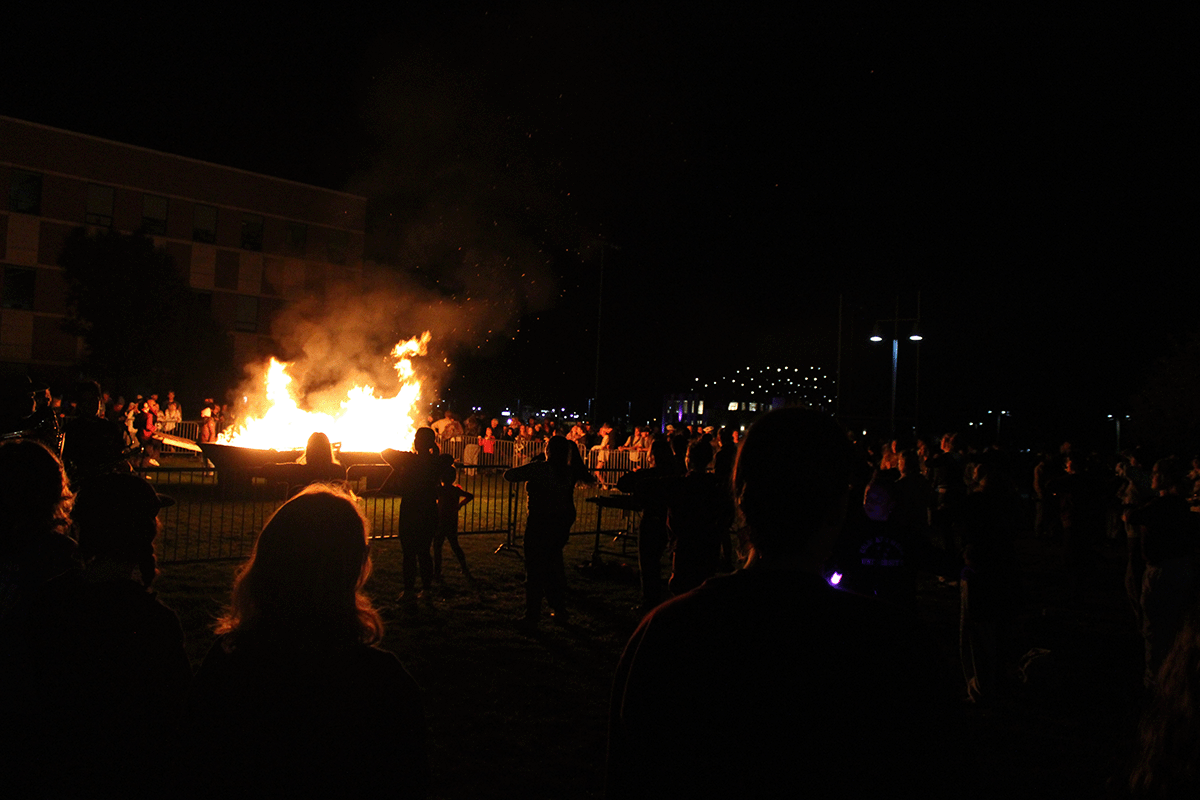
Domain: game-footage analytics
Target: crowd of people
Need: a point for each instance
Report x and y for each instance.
(794, 564)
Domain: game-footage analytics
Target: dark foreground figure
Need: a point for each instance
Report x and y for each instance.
(551, 495)
(293, 700)
(769, 682)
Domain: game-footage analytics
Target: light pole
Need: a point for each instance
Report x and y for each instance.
(914, 335)
(1117, 419)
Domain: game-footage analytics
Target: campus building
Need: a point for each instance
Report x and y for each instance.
(244, 242)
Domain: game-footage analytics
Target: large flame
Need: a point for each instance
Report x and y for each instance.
(362, 423)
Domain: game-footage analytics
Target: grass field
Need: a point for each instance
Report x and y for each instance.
(510, 715)
(517, 716)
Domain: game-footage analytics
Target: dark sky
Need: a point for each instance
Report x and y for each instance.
(739, 169)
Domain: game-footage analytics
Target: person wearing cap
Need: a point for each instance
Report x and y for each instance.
(112, 669)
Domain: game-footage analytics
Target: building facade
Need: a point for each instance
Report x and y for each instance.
(244, 242)
(737, 399)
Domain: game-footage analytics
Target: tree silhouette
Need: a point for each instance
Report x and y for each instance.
(144, 329)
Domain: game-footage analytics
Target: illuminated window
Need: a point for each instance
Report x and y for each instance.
(733, 406)
(700, 408)
(99, 205)
(252, 232)
(754, 406)
(154, 215)
(25, 192)
(204, 224)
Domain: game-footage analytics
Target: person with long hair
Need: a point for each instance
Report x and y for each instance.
(1167, 763)
(318, 465)
(294, 698)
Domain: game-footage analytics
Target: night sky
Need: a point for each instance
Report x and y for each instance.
(738, 171)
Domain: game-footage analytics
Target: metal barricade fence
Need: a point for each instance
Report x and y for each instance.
(188, 429)
(209, 524)
(204, 524)
(473, 451)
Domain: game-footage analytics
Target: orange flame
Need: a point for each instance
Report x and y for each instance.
(362, 422)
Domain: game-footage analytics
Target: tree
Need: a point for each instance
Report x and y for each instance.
(144, 329)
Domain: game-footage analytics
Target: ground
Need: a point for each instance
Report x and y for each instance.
(513, 715)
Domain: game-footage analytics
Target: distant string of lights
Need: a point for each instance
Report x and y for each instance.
(811, 383)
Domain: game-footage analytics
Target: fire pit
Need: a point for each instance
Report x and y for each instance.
(235, 465)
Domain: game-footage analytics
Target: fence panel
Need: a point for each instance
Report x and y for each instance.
(204, 524)
(208, 524)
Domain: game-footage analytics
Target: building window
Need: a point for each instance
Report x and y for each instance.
(25, 192)
(154, 215)
(297, 238)
(99, 205)
(246, 318)
(252, 232)
(339, 245)
(204, 224)
(732, 406)
(17, 291)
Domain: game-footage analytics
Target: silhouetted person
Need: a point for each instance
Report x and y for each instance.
(1169, 536)
(92, 445)
(35, 504)
(989, 583)
(416, 478)
(652, 530)
(723, 463)
(1167, 764)
(550, 492)
(317, 465)
(451, 498)
(946, 474)
(821, 692)
(1082, 500)
(699, 511)
(882, 551)
(293, 699)
(112, 669)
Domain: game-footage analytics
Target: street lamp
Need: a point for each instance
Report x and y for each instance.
(915, 336)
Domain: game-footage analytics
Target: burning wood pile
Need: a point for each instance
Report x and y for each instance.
(362, 423)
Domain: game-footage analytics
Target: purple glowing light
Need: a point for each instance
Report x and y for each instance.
(835, 579)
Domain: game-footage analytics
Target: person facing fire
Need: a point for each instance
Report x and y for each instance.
(551, 495)
(92, 445)
(416, 478)
(294, 699)
(841, 697)
(451, 498)
(317, 466)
